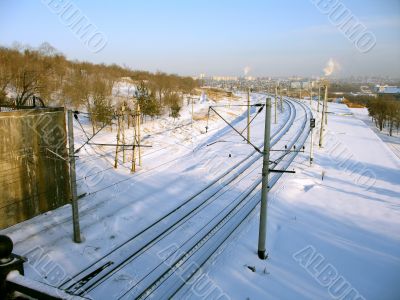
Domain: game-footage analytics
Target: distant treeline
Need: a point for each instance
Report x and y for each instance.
(46, 73)
(384, 109)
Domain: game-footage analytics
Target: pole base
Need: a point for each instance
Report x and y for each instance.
(262, 255)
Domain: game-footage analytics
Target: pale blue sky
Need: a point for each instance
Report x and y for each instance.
(216, 37)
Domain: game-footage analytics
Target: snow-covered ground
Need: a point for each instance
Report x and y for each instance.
(118, 203)
(347, 224)
(393, 142)
(336, 238)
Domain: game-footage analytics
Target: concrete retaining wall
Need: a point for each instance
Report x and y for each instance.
(33, 176)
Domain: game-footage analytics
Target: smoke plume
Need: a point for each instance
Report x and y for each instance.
(331, 67)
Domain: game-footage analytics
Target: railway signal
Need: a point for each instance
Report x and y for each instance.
(312, 126)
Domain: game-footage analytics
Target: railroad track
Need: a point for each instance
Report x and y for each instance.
(170, 279)
(173, 287)
(88, 208)
(162, 220)
(160, 276)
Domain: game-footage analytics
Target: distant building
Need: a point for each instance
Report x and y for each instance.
(386, 89)
(305, 85)
(225, 78)
(295, 84)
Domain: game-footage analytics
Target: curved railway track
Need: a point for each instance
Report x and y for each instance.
(189, 228)
(196, 252)
(90, 208)
(214, 240)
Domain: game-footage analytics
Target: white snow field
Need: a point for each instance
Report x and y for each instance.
(146, 234)
(337, 238)
(392, 141)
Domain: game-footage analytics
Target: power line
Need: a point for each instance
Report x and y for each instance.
(255, 147)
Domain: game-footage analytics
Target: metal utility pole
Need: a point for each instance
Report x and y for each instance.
(72, 174)
(192, 108)
(118, 136)
(134, 125)
(319, 96)
(326, 105)
(138, 134)
(321, 134)
(310, 96)
(123, 134)
(248, 116)
(190, 101)
(264, 190)
(276, 100)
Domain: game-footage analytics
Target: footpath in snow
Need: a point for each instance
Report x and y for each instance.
(336, 238)
(393, 142)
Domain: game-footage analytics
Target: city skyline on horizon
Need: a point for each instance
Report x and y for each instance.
(218, 39)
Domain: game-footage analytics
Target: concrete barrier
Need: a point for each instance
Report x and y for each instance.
(33, 176)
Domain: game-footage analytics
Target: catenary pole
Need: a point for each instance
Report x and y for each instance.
(138, 113)
(134, 126)
(72, 171)
(321, 134)
(118, 137)
(319, 96)
(192, 98)
(248, 116)
(264, 189)
(123, 133)
(326, 105)
(276, 100)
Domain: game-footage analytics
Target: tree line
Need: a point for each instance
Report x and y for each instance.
(385, 112)
(46, 73)
(384, 109)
